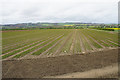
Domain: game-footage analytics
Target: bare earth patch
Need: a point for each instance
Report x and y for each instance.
(94, 73)
(53, 66)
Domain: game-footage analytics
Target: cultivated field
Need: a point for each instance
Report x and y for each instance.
(30, 44)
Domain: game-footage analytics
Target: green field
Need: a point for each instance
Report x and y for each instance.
(55, 42)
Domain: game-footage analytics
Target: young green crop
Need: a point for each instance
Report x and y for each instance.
(70, 43)
(46, 47)
(32, 49)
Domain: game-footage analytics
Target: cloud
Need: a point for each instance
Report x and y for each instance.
(99, 11)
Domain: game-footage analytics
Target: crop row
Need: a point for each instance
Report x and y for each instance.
(61, 42)
(28, 48)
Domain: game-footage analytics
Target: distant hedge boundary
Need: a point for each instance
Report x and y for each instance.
(105, 29)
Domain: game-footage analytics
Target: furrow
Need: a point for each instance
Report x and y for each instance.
(96, 41)
(60, 48)
(20, 48)
(33, 55)
(89, 42)
(43, 54)
(112, 42)
(77, 48)
(45, 45)
(107, 43)
(73, 43)
(20, 45)
(25, 50)
(10, 45)
(81, 45)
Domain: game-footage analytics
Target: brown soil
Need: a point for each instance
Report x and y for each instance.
(111, 71)
(41, 67)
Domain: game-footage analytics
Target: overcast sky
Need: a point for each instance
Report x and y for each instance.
(22, 11)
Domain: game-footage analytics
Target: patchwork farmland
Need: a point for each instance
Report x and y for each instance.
(30, 44)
